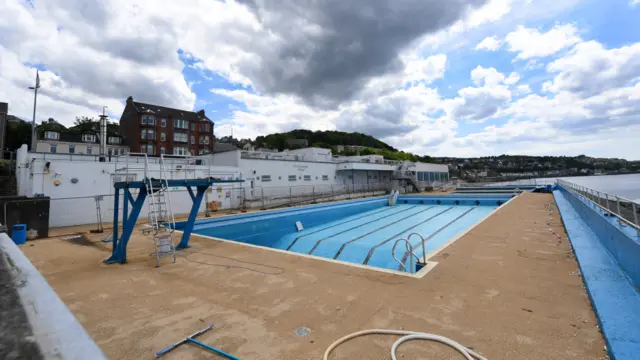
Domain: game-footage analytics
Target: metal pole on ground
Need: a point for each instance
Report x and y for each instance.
(618, 204)
(634, 207)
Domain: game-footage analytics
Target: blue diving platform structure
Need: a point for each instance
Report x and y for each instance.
(129, 218)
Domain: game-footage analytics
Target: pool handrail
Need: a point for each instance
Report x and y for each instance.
(597, 196)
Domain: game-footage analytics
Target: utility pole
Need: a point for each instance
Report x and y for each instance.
(33, 121)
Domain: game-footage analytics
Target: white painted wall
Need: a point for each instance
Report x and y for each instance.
(74, 203)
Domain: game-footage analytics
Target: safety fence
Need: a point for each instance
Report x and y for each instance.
(99, 209)
(497, 182)
(627, 211)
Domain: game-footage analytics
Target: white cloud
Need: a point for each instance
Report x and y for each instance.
(427, 70)
(512, 79)
(531, 43)
(477, 104)
(590, 68)
(523, 89)
(633, 3)
(486, 76)
(490, 43)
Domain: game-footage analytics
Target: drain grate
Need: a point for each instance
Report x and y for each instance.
(301, 331)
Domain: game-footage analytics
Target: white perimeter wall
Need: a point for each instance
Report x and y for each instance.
(74, 203)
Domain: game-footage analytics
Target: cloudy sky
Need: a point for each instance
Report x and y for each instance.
(434, 77)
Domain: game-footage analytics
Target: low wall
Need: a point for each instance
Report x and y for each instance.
(55, 330)
(621, 241)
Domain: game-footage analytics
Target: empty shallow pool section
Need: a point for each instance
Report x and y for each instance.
(360, 231)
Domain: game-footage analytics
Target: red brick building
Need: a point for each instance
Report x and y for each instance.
(156, 130)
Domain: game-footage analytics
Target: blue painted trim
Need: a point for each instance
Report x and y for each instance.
(615, 299)
(188, 226)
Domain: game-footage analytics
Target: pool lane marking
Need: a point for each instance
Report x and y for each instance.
(387, 208)
(363, 224)
(406, 254)
(378, 229)
(373, 248)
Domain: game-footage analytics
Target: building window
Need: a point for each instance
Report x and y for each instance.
(204, 127)
(72, 149)
(181, 124)
(179, 151)
(325, 177)
(162, 150)
(51, 135)
(148, 134)
(292, 178)
(193, 139)
(148, 119)
(163, 122)
(307, 178)
(88, 138)
(193, 126)
(114, 140)
(54, 149)
(204, 139)
(203, 151)
(266, 178)
(163, 136)
(147, 148)
(180, 137)
(89, 150)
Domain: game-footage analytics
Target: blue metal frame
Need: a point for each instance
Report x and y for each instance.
(119, 250)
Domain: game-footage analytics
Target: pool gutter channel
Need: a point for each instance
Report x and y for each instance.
(429, 265)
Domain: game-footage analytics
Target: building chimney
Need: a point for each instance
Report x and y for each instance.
(103, 136)
(129, 99)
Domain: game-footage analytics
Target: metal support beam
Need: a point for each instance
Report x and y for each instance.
(188, 226)
(120, 247)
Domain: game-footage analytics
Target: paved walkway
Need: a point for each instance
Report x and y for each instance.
(508, 288)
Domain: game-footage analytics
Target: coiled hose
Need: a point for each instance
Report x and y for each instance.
(406, 336)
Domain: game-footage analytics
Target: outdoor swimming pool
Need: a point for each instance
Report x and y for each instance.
(359, 231)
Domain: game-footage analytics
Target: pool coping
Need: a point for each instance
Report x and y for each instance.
(429, 265)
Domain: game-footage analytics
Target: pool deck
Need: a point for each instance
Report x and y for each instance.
(508, 288)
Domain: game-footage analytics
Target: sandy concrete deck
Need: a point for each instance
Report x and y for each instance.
(508, 289)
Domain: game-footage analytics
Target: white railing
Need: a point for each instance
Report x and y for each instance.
(624, 209)
(497, 182)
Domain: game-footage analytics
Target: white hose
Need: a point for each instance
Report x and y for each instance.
(407, 336)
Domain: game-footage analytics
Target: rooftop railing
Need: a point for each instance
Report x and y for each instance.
(624, 209)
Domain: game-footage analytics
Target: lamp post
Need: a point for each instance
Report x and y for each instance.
(33, 121)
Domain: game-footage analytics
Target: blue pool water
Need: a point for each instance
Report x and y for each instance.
(359, 231)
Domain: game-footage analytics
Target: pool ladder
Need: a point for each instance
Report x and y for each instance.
(409, 250)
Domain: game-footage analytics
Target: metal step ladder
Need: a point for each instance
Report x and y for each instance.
(161, 217)
(420, 262)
